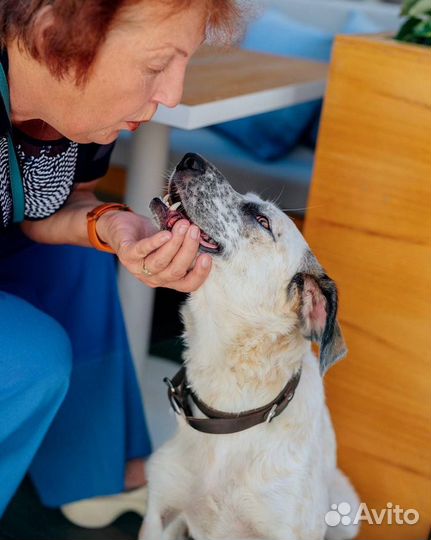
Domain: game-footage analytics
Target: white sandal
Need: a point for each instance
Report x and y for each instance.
(99, 512)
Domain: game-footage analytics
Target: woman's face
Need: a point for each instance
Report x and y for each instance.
(141, 65)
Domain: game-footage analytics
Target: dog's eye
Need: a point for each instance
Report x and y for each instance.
(264, 222)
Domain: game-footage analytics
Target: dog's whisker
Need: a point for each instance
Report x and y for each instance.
(301, 209)
(168, 171)
(166, 175)
(262, 192)
(275, 201)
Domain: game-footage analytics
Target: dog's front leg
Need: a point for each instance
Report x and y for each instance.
(168, 525)
(176, 530)
(152, 527)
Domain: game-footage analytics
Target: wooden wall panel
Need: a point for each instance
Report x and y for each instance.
(369, 223)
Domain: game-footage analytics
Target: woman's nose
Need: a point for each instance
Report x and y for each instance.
(170, 89)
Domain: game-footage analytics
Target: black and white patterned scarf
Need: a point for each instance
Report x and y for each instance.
(48, 171)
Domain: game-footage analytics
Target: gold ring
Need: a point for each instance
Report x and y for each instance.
(145, 270)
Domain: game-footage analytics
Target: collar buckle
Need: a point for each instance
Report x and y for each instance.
(272, 412)
(173, 398)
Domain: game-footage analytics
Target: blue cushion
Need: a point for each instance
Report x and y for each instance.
(276, 33)
(359, 23)
(271, 135)
(312, 133)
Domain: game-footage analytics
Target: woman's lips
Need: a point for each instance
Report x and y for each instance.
(133, 126)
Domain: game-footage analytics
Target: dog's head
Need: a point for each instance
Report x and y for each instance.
(262, 266)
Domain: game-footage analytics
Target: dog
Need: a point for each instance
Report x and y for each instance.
(230, 472)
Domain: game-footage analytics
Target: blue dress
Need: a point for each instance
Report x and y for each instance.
(100, 423)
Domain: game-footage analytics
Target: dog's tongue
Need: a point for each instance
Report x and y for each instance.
(207, 241)
(167, 218)
(174, 215)
(172, 218)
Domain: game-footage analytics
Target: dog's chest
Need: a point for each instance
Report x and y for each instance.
(261, 452)
(252, 482)
(269, 473)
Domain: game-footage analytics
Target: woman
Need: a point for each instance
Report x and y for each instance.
(74, 74)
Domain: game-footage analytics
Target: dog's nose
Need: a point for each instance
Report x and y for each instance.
(192, 162)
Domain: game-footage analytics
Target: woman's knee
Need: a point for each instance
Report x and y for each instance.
(54, 358)
(34, 347)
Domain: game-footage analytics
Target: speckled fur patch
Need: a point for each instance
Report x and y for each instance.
(212, 203)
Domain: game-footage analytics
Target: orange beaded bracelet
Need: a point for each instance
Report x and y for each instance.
(92, 218)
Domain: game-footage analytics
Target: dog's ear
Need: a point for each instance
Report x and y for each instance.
(317, 311)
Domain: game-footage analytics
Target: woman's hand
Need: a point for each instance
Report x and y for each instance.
(170, 257)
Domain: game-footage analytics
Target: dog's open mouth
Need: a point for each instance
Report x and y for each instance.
(170, 209)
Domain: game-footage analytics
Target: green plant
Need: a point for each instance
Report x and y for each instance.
(417, 27)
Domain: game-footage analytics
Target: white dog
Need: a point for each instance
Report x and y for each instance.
(266, 469)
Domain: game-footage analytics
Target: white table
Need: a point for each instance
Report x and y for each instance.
(220, 86)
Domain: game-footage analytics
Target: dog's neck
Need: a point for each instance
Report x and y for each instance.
(234, 364)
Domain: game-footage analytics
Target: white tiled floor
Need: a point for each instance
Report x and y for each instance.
(160, 416)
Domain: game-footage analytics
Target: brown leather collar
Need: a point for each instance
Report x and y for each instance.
(219, 422)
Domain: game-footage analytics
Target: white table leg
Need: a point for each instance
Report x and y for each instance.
(145, 180)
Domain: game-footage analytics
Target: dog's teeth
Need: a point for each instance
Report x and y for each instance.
(166, 199)
(175, 206)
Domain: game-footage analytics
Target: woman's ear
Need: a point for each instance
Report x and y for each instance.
(317, 312)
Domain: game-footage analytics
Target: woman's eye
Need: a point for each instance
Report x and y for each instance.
(264, 222)
(155, 71)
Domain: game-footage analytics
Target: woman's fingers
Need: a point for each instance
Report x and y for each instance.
(141, 249)
(160, 260)
(173, 260)
(195, 278)
(167, 259)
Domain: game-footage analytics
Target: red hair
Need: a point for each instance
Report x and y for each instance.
(80, 27)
